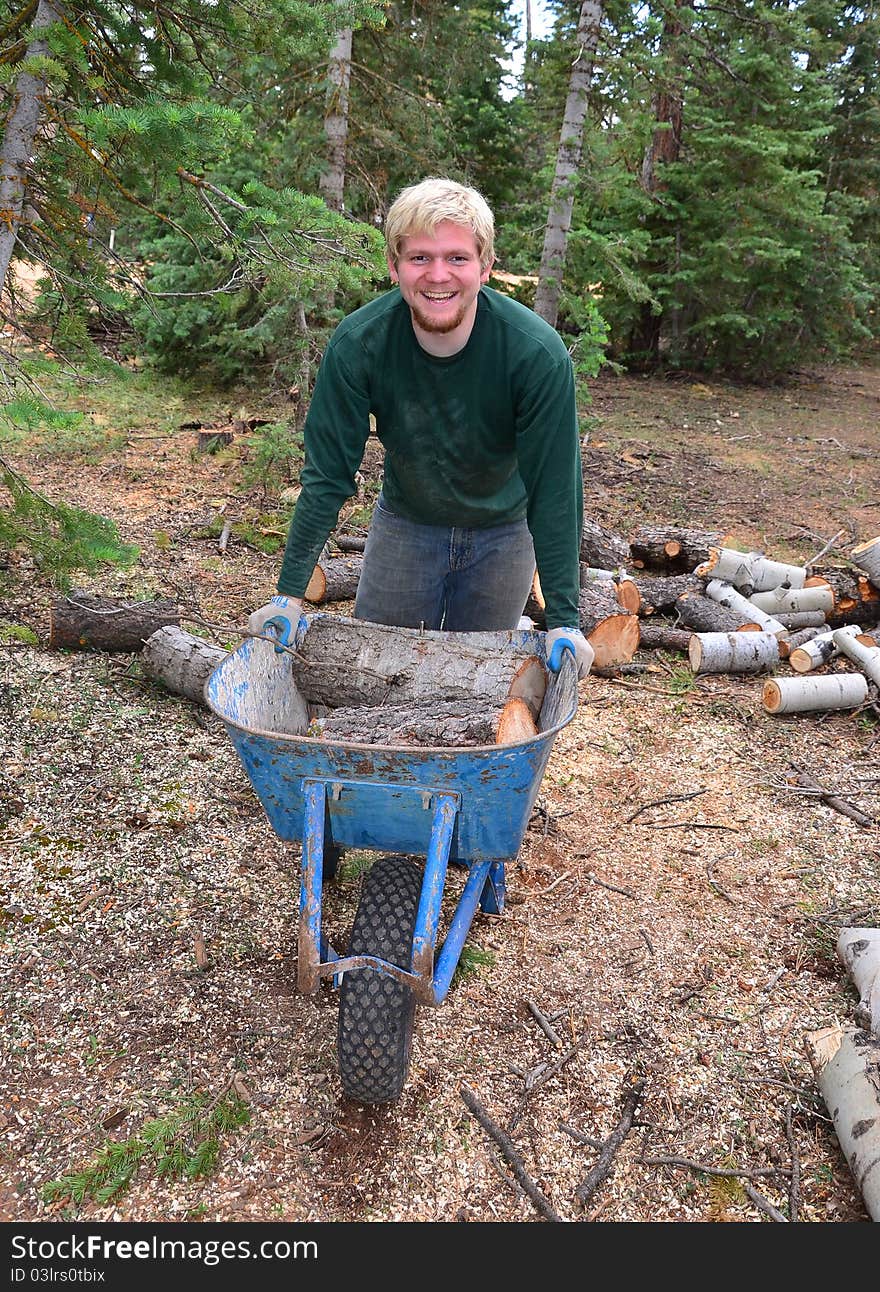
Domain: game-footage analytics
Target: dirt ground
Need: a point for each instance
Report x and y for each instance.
(673, 910)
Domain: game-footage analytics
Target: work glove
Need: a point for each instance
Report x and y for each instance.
(583, 651)
(290, 607)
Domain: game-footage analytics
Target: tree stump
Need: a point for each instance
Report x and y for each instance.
(83, 621)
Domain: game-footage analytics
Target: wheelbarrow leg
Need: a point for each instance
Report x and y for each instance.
(493, 895)
(309, 951)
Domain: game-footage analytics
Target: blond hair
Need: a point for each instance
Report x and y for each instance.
(421, 207)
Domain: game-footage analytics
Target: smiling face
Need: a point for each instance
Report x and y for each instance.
(440, 277)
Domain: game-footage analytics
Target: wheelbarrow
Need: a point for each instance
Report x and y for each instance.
(468, 807)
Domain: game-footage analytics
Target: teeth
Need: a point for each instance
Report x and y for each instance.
(439, 296)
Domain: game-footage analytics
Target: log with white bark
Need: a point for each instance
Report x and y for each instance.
(785, 600)
(431, 723)
(180, 662)
(733, 652)
(802, 619)
(865, 657)
(671, 548)
(859, 949)
(660, 592)
(84, 621)
(706, 615)
(729, 597)
(661, 636)
(801, 637)
(867, 557)
(602, 547)
(346, 663)
(818, 650)
(612, 632)
(750, 571)
(814, 694)
(846, 1063)
(334, 578)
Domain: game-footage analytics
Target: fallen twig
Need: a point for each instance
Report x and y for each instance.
(726, 1172)
(831, 800)
(794, 1187)
(635, 1089)
(509, 1152)
(670, 798)
(544, 1024)
(762, 1204)
(713, 883)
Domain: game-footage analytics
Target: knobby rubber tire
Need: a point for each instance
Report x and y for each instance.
(376, 1013)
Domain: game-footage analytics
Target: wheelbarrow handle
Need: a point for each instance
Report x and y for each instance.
(560, 646)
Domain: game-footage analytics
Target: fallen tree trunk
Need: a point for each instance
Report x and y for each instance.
(180, 662)
(733, 652)
(346, 663)
(614, 636)
(83, 621)
(705, 615)
(846, 1063)
(814, 694)
(660, 592)
(750, 572)
(802, 619)
(728, 596)
(672, 548)
(791, 601)
(334, 578)
(602, 547)
(853, 596)
(859, 949)
(818, 650)
(663, 637)
(864, 656)
(867, 557)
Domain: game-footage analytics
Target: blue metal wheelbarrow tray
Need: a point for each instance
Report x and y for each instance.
(469, 806)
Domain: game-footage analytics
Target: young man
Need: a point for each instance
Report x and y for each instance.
(473, 396)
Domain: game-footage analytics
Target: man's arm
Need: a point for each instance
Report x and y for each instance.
(336, 431)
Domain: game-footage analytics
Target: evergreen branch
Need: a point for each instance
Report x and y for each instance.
(18, 20)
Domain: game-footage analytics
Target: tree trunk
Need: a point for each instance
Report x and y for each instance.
(602, 548)
(815, 694)
(568, 159)
(792, 601)
(83, 621)
(332, 182)
(662, 637)
(346, 663)
(672, 549)
(750, 571)
(726, 595)
(854, 597)
(20, 133)
(865, 657)
(733, 652)
(180, 662)
(815, 652)
(859, 949)
(846, 1062)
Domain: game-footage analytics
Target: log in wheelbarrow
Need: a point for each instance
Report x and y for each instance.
(423, 808)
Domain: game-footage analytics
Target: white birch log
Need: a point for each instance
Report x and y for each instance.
(733, 652)
(750, 572)
(728, 596)
(769, 574)
(867, 557)
(846, 1063)
(802, 619)
(859, 949)
(818, 650)
(801, 637)
(179, 661)
(814, 694)
(867, 658)
(785, 600)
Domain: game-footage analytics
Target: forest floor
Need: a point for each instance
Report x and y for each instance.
(673, 910)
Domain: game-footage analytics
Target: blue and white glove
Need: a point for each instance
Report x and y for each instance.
(290, 607)
(583, 651)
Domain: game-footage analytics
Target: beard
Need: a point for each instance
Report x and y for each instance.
(430, 323)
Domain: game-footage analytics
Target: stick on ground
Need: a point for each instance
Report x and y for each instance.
(509, 1152)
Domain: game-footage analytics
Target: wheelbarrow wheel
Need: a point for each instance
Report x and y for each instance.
(377, 1013)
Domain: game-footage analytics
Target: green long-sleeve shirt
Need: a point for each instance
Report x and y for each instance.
(485, 437)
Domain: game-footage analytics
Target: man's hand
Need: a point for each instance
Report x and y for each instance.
(583, 651)
(290, 607)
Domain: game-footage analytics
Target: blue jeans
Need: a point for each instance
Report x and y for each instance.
(431, 576)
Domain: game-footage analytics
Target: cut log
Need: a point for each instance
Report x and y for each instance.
(848, 590)
(817, 651)
(347, 663)
(625, 589)
(802, 619)
(706, 615)
(515, 724)
(859, 949)
(180, 662)
(661, 592)
(671, 548)
(865, 657)
(867, 557)
(602, 547)
(733, 652)
(83, 621)
(814, 694)
(430, 724)
(729, 597)
(350, 542)
(529, 683)
(801, 637)
(535, 606)
(209, 441)
(846, 1062)
(784, 600)
(614, 636)
(334, 578)
(654, 636)
(750, 571)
